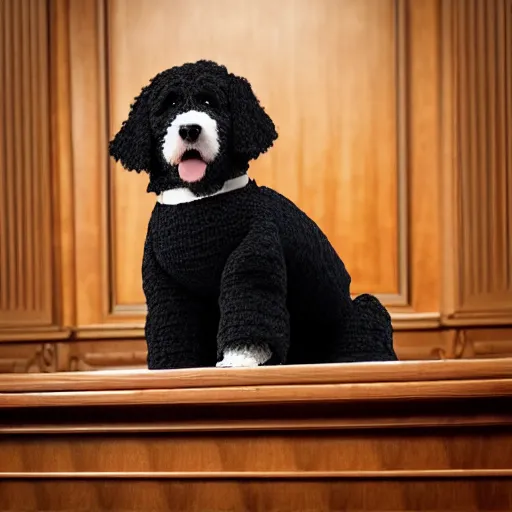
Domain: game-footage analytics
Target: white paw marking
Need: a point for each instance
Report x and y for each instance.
(245, 357)
(237, 361)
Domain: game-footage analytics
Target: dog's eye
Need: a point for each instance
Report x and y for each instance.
(205, 98)
(170, 101)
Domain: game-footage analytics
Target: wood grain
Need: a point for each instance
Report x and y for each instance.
(334, 113)
(26, 276)
(478, 171)
(289, 496)
(417, 371)
(64, 231)
(416, 117)
(423, 148)
(222, 455)
(89, 141)
(453, 452)
(342, 156)
(335, 393)
(332, 383)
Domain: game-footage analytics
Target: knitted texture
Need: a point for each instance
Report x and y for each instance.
(249, 266)
(245, 267)
(244, 128)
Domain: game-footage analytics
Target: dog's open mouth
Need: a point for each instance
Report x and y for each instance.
(191, 166)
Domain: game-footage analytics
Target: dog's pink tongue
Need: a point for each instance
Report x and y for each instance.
(191, 170)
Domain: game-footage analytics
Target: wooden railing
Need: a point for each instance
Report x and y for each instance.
(385, 436)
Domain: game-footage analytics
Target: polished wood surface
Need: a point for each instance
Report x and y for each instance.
(477, 162)
(265, 496)
(347, 154)
(332, 374)
(319, 438)
(332, 114)
(208, 386)
(26, 270)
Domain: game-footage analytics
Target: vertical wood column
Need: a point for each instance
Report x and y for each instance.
(26, 202)
(477, 138)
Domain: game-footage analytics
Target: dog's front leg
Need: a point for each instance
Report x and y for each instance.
(254, 320)
(180, 327)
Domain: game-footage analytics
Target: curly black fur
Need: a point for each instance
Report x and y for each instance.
(240, 268)
(245, 130)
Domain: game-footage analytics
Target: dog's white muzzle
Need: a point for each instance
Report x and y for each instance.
(207, 143)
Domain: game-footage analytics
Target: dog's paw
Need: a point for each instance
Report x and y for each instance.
(245, 356)
(237, 361)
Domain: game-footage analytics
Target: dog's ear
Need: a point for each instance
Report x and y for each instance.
(132, 143)
(253, 130)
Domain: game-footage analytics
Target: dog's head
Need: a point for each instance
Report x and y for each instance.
(196, 125)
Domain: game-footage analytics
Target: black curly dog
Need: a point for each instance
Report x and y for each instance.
(234, 274)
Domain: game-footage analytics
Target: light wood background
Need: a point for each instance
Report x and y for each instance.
(395, 136)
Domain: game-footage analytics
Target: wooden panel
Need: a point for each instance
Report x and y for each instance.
(337, 153)
(66, 280)
(445, 450)
(25, 194)
(478, 41)
(359, 157)
(423, 176)
(256, 495)
(224, 453)
(89, 142)
(358, 184)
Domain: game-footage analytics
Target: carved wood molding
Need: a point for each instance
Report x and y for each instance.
(92, 353)
(38, 358)
(99, 360)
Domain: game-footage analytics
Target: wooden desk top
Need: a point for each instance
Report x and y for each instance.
(395, 394)
(384, 436)
(397, 381)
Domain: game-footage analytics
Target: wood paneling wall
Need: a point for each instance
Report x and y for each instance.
(353, 151)
(26, 271)
(395, 136)
(478, 167)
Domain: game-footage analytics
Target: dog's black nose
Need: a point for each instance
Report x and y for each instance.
(190, 132)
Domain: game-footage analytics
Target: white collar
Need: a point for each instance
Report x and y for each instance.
(184, 195)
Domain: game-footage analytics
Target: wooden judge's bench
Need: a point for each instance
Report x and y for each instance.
(413, 436)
